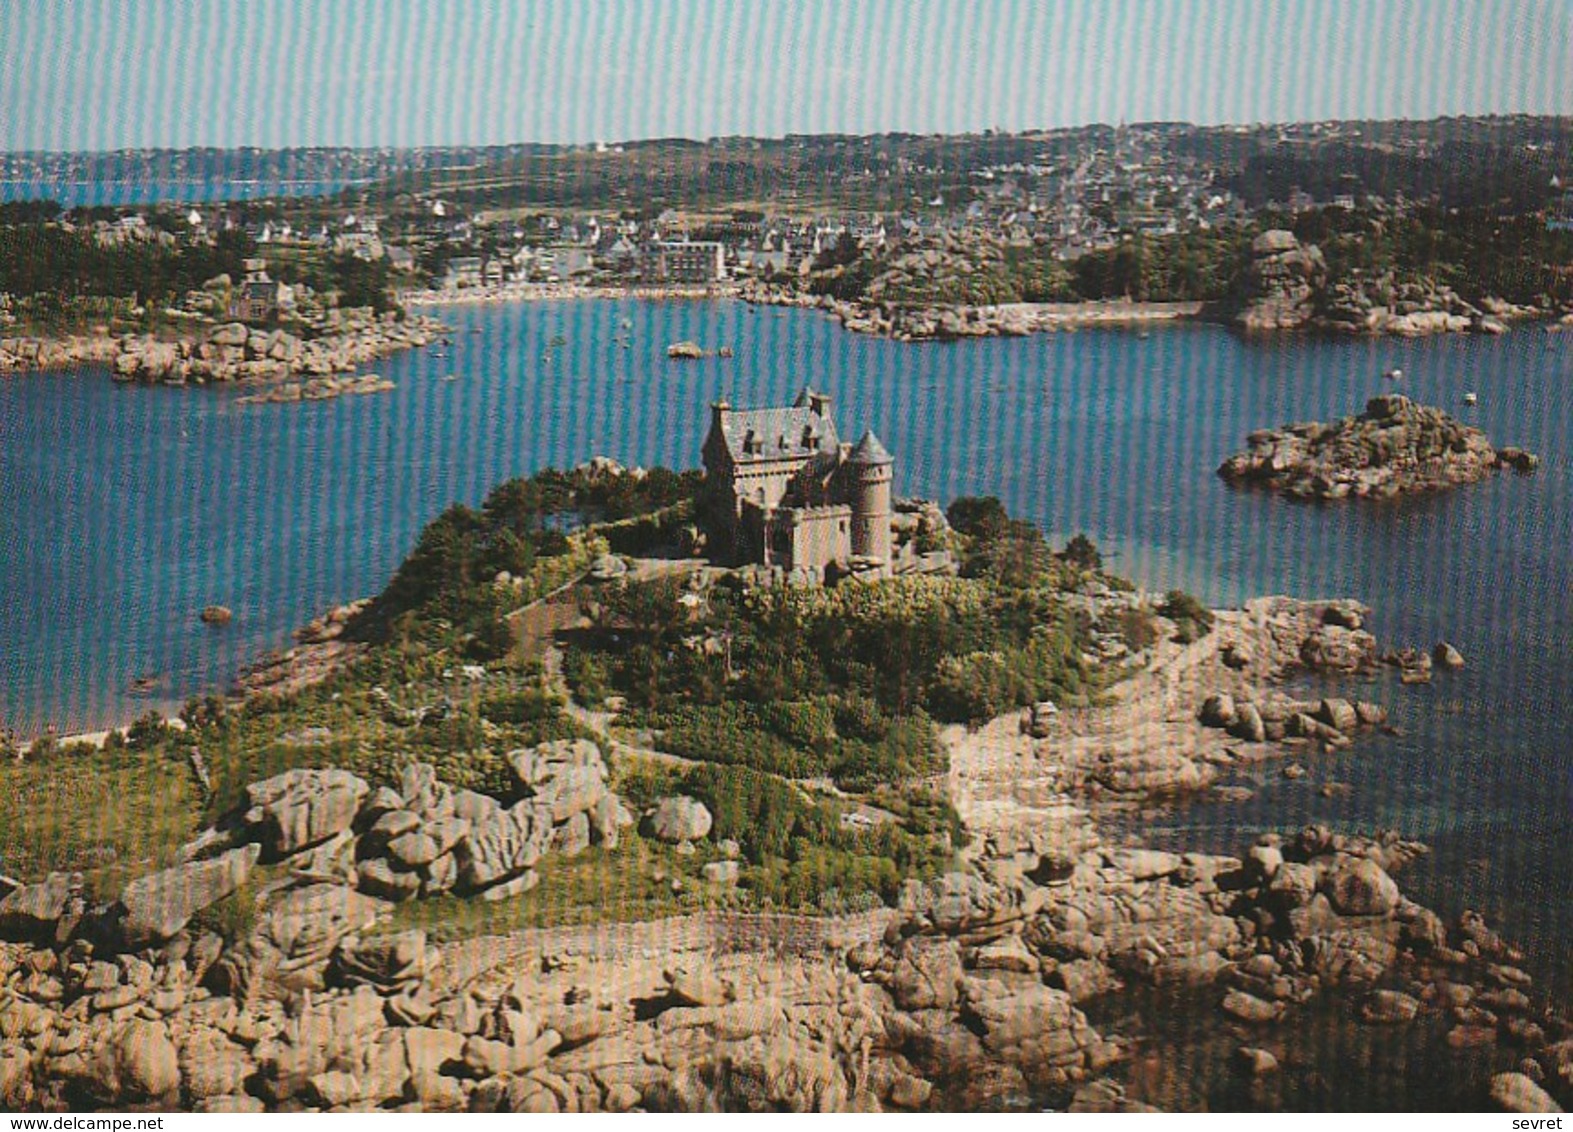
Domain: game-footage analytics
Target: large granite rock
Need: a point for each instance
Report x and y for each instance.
(36, 908)
(300, 808)
(503, 845)
(679, 819)
(1279, 287)
(155, 907)
(1361, 887)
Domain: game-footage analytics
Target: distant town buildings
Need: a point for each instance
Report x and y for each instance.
(685, 261)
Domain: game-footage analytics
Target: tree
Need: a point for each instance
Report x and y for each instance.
(977, 516)
(1082, 552)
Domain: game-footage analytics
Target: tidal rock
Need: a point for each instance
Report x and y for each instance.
(1338, 714)
(1514, 1092)
(1218, 710)
(1395, 446)
(1257, 1062)
(1389, 1007)
(1360, 887)
(1248, 1008)
(1248, 724)
(217, 615)
(1446, 656)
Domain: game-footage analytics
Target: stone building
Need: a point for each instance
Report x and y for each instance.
(783, 491)
(257, 298)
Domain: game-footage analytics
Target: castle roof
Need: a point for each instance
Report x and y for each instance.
(870, 451)
(759, 435)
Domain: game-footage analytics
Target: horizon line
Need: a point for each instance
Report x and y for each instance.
(656, 138)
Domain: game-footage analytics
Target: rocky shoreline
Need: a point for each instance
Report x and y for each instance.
(287, 366)
(1286, 287)
(1009, 320)
(1394, 447)
(971, 992)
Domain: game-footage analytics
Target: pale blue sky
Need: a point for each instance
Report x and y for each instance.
(104, 74)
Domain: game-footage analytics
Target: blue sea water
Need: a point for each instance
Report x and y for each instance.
(124, 511)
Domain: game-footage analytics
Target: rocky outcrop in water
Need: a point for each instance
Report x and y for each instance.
(1394, 447)
(320, 357)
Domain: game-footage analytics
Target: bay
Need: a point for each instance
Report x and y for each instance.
(124, 511)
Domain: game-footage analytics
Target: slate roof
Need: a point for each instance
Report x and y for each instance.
(756, 435)
(870, 451)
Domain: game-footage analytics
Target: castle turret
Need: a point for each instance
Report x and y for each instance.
(871, 467)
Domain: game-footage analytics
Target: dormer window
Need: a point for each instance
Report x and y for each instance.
(810, 441)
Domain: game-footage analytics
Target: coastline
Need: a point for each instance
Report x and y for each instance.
(284, 366)
(1048, 915)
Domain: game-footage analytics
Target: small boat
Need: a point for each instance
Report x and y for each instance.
(439, 353)
(558, 340)
(1471, 399)
(1394, 374)
(627, 324)
(451, 377)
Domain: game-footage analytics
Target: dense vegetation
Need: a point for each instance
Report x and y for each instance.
(1478, 252)
(806, 719)
(40, 258)
(64, 271)
(447, 592)
(845, 682)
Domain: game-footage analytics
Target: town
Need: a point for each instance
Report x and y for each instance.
(1154, 212)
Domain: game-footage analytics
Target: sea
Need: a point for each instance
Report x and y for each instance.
(124, 511)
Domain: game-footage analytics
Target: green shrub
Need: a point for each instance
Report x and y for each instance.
(588, 675)
(528, 706)
(1191, 618)
(759, 811)
(1137, 628)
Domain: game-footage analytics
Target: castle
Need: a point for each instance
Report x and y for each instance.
(783, 491)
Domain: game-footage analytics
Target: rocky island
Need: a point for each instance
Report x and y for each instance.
(488, 858)
(1394, 447)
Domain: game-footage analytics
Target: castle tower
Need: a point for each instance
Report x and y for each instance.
(871, 474)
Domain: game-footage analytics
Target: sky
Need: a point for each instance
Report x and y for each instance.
(110, 74)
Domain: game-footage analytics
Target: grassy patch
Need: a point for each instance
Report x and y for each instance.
(629, 883)
(111, 815)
